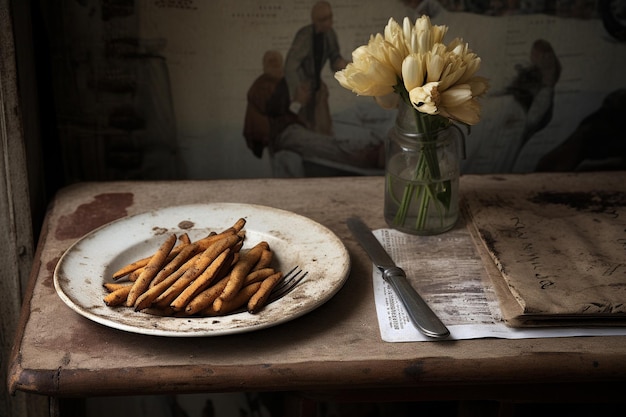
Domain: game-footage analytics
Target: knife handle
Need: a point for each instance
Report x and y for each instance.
(419, 312)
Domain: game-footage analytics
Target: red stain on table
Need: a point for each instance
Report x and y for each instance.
(102, 210)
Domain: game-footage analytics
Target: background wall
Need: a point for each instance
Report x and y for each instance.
(157, 88)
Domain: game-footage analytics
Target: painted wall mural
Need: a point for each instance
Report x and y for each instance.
(157, 89)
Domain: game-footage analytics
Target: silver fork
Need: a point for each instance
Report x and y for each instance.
(285, 286)
(288, 283)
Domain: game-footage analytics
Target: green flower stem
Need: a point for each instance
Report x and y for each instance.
(427, 169)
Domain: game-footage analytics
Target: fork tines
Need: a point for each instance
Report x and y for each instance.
(289, 281)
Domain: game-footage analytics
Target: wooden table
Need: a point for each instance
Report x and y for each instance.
(335, 350)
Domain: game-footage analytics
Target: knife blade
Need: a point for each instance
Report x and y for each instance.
(424, 319)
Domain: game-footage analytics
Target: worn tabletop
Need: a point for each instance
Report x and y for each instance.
(335, 347)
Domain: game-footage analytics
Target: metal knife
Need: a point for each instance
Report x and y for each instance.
(420, 313)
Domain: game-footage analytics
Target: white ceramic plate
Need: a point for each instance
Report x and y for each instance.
(295, 240)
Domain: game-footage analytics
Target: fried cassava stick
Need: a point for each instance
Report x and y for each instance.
(196, 269)
(146, 299)
(201, 282)
(139, 264)
(205, 298)
(220, 307)
(151, 269)
(260, 297)
(241, 269)
(182, 257)
(117, 297)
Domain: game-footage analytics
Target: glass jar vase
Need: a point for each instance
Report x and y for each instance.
(422, 174)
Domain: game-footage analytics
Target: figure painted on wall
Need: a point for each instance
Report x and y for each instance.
(287, 108)
(272, 123)
(257, 121)
(523, 109)
(598, 142)
(613, 15)
(533, 88)
(312, 48)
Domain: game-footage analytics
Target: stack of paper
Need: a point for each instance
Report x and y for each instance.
(554, 245)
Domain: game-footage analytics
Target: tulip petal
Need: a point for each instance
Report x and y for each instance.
(456, 95)
(412, 59)
(426, 98)
(413, 72)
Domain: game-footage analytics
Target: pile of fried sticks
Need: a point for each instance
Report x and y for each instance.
(209, 277)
